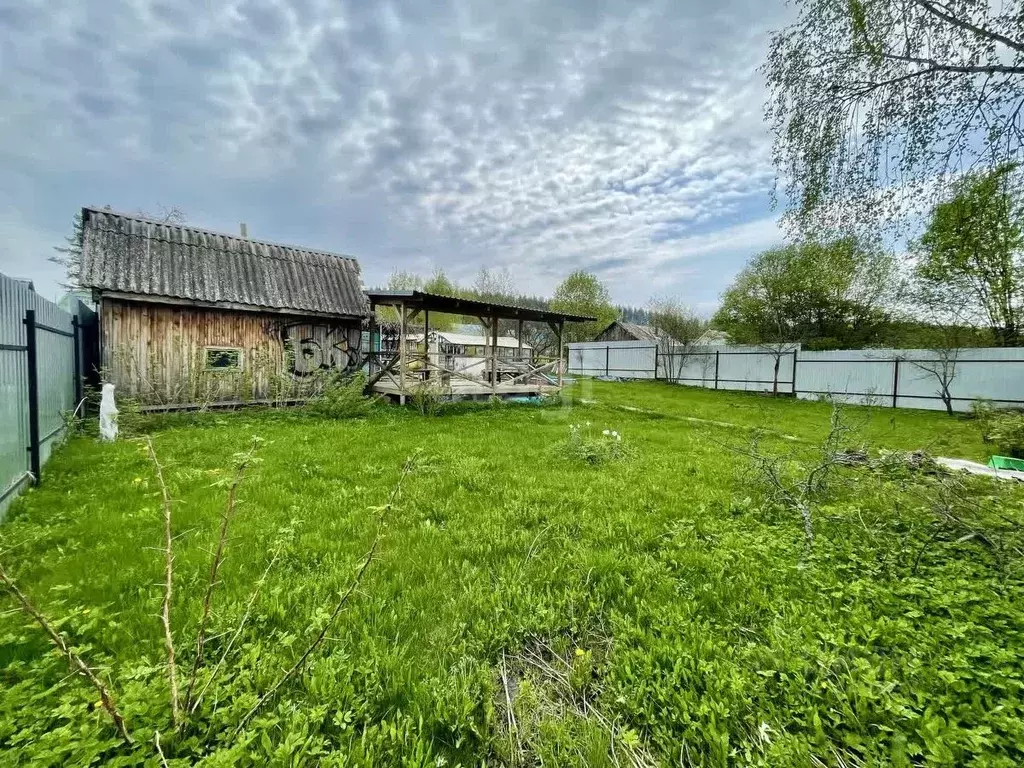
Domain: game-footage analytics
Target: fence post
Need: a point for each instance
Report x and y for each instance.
(606, 361)
(895, 380)
(76, 340)
(793, 377)
(33, 393)
(655, 363)
(717, 358)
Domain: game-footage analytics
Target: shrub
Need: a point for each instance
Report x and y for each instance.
(342, 398)
(1006, 430)
(429, 397)
(586, 444)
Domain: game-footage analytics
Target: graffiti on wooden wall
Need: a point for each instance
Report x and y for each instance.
(321, 347)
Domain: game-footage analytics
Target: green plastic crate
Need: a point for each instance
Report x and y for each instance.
(1006, 462)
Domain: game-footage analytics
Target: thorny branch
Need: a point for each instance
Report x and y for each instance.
(238, 631)
(318, 640)
(76, 662)
(218, 557)
(172, 669)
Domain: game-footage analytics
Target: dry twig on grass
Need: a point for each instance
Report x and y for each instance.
(802, 492)
(343, 600)
(172, 669)
(218, 556)
(76, 662)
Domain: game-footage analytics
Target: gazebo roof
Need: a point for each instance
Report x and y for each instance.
(456, 305)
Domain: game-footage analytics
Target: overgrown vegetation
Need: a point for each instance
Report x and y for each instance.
(342, 397)
(586, 444)
(522, 608)
(1003, 428)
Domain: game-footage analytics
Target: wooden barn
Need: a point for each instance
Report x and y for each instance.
(190, 317)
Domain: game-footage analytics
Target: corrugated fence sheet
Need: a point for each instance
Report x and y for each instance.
(623, 359)
(898, 378)
(912, 378)
(56, 366)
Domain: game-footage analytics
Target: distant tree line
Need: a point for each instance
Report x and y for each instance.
(961, 283)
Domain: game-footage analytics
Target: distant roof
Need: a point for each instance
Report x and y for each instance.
(437, 302)
(132, 255)
(711, 337)
(636, 330)
(471, 339)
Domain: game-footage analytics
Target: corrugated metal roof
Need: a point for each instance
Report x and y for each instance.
(470, 340)
(636, 330)
(130, 254)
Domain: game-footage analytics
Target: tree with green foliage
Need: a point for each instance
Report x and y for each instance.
(971, 257)
(671, 317)
(826, 294)
(495, 285)
(581, 293)
(438, 282)
(873, 101)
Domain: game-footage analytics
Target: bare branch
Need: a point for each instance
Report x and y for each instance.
(218, 557)
(236, 634)
(159, 751)
(318, 640)
(988, 34)
(172, 669)
(76, 662)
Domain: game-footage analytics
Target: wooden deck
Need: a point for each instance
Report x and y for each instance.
(462, 388)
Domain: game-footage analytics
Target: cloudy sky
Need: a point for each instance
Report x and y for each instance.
(619, 136)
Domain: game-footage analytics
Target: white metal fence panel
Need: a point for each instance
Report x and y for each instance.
(898, 378)
(623, 359)
(752, 369)
(56, 380)
(912, 378)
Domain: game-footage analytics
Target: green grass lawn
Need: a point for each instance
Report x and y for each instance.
(525, 607)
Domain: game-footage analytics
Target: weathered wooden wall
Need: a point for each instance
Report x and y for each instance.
(156, 353)
(614, 333)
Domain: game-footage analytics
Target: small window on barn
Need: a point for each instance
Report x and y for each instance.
(223, 359)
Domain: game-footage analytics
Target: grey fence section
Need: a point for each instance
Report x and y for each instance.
(749, 369)
(897, 378)
(623, 359)
(40, 380)
(912, 378)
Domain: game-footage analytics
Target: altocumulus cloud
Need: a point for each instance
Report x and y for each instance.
(621, 136)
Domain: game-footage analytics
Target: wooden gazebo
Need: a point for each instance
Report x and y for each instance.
(416, 365)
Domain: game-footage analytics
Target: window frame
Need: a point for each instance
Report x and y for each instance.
(238, 352)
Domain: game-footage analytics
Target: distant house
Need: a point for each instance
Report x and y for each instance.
(468, 353)
(622, 331)
(713, 338)
(188, 316)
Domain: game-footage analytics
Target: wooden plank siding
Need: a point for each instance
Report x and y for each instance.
(156, 353)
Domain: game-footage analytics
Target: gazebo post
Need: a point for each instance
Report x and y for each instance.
(519, 338)
(494, 355)
(561, 357)
(426, 343)
(370, 350)
(401, 353)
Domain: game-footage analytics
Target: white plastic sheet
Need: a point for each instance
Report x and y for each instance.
(108, 414)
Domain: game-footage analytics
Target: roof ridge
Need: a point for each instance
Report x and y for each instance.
(215, 233)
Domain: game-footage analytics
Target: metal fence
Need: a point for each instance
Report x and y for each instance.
(898, 378)
(42, 361)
